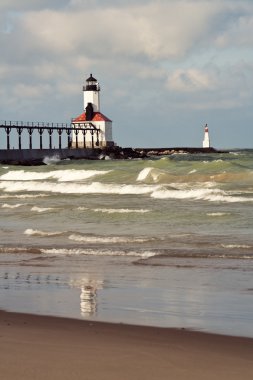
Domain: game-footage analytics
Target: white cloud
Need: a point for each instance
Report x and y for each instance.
(190, 54)
(190, 80)
(155, 30)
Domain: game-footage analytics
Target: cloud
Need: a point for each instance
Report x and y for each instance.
(17, 5)
(190, 80)
(153, 30)
(188, 54)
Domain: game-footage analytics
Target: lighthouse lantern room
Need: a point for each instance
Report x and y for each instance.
(96, 127)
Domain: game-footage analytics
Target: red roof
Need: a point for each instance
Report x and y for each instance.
(98, 116)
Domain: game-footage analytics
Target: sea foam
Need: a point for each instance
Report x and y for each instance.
(31, 232)
(42, 209)
(77, 188)
(120, 211)
(68, 175)
(107, 239)
(153, 174)
(95, 252)
(212, 195)
(6, 205)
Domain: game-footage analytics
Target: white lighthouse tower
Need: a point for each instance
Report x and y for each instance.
(91, 93)
(206, 141)
(96, 127)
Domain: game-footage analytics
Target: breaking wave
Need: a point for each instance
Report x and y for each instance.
(77, 188)
(22, 196)
(94, 252)
(155, 191)
(236, 246)
(107, 239)
(14, 250)
(6, 205)
(42, 209)
(120, 211)
(212, 195)
(31, 232)
(68, 175)
(52, 159)
(218, 213)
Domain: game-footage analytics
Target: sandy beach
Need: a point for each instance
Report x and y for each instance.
(39, 347)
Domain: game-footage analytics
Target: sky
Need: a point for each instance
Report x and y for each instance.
(165, 67)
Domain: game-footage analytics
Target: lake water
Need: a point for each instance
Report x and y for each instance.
(163, 241)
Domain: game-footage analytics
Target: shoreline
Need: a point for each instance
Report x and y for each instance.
(34, 346)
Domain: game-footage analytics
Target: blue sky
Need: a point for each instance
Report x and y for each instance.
(166, 67)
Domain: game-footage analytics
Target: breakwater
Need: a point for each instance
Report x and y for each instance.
(38, 156)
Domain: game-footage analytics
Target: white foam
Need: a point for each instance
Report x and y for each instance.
(153, 174)
(120, 211)
(234, 246)
(77, 188)
(31, 232)
(69, 175)
(52, 160)
(144, 174)
(94, 252)
(106, 239)
(6, 205)
(218, 213)
(212, 195)
(41, 209)
(23, 196)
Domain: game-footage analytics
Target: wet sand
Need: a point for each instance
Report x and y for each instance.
(38, 347)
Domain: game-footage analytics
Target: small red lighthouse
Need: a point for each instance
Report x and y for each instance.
(206, 141)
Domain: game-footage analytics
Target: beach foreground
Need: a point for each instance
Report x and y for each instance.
(39, 347)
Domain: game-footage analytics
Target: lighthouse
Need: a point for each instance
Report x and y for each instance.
(94, 128)
(206, 141)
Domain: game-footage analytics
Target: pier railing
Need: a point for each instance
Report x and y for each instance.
(16, 131)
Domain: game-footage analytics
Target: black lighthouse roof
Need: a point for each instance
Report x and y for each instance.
(91, 79)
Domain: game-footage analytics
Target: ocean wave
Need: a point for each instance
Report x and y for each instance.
(20, 250)
(212, 195)
(148, 172)
(167, 257)
(22, 196)
(120, 210)
(31, 232)
(236, 246)
(197, 174)
(6, 205)
(94, 252)
(114, 210)
(107, 239)
(49, 160)
(77, 188)
(218, 213)
(67, 175)
(42, 209)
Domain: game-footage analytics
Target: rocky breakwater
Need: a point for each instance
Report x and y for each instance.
(37, 157)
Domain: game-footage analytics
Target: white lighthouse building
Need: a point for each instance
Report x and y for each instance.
(96, 127)
(206, 141)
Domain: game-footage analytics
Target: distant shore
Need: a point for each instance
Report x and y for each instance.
(39, 347)
(31, 157)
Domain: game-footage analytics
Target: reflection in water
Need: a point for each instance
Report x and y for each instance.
(88, 295)
(16, 281)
